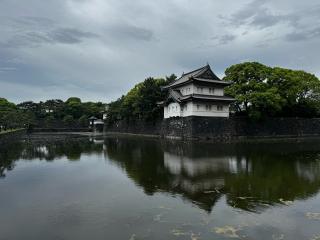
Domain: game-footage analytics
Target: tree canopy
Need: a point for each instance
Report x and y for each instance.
(141, 101)
(9, 115)
(262, 91)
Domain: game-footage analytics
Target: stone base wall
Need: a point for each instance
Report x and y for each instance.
(222, 129)
(237, 128)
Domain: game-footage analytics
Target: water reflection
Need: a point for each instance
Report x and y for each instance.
(252, 177)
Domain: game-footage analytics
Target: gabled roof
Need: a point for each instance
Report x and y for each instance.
(201, 74)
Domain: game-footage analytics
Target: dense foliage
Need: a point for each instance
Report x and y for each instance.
(10, 116)
(51, 113)
(262, 91)
(140, 102)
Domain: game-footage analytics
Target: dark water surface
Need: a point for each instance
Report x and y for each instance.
(60, 187)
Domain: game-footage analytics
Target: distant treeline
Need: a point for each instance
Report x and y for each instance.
(260, 91)
(51, 113)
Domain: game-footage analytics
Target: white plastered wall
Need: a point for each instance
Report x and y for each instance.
(196, 109)
(204, 110)
(172, 110)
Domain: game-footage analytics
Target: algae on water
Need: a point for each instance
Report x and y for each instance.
(227, 231)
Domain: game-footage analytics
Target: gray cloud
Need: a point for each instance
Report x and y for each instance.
(225, 39)
(7, 69)
(31, 21)
(304, 34)
(260, 15)
(37, 38)
(98, 50)
(69, 35)
(257, 14)
(125, 31)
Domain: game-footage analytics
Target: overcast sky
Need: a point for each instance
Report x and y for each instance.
(99, 49)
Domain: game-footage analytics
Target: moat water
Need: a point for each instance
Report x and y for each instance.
(71, 187)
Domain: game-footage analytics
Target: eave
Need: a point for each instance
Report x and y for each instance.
(207, 98)
(200, 80)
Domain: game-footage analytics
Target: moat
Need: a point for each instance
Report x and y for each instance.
(78, 187)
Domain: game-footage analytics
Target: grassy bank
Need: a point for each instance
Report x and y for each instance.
(11, 131)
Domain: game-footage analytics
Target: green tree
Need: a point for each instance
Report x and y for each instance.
(262, 91)
(248, 79)
(140, 102)
(83, 121)
(300, 90)
(74, 107)
(8, 114)
(68, 120)
(49, 121)
(30, 112)
(54, 107)
(93, 109)
(150, 95)
(114, 111)
(171, 78)
(73, 100)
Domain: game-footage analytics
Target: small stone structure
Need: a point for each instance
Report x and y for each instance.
(96, 124)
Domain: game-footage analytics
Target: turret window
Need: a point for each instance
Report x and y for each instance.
(211, 90)
(199, 89)
(219, 107)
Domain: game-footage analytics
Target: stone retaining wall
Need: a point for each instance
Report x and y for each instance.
(222, 129)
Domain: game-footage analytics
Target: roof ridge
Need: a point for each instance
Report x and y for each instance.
(184, 74)
(190, 76)
(201, 68)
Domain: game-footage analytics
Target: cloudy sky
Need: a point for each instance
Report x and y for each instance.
(99, 49)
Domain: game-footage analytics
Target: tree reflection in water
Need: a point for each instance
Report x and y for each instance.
(252, 176)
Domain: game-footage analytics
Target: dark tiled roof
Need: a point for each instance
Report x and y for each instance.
(197, 74)
(176, 95)
(210, 97)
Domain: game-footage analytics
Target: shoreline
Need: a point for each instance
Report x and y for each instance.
(240, 139)
(11, 134)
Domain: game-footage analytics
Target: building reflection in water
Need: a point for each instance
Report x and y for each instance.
(252, 176)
